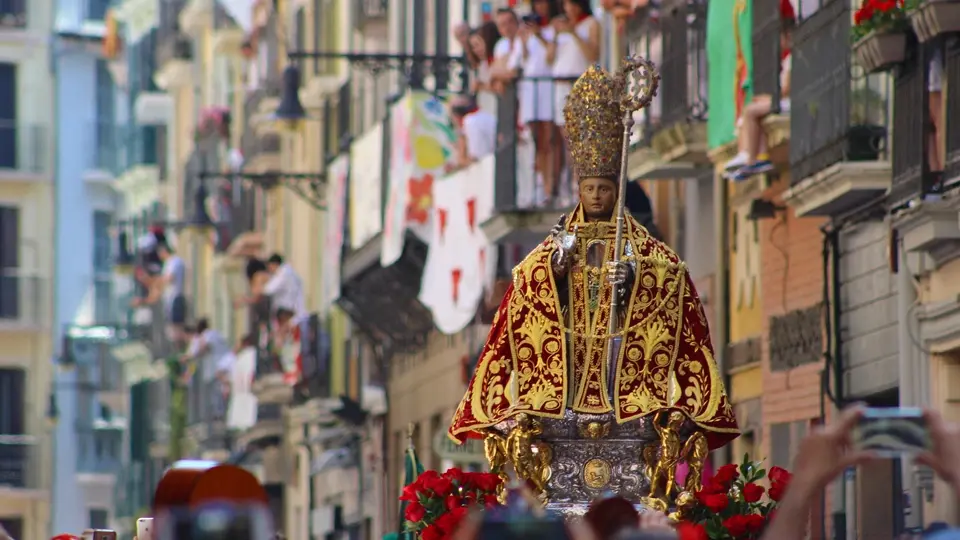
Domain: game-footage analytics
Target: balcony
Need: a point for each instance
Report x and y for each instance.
(13, 14)
(314, 380)
(206, 417)
(24, 301)
(228, 38)
(681, 140)
(99, 451)
(237, 211)
(268, 431)
(21, 466)
(925, 200)
(839, 158)
(148, 327)
(524, 211)
(174, 51)
(25, 154)
(270, 383)
(196, 15)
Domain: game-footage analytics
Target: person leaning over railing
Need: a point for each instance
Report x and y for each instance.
(476, 132)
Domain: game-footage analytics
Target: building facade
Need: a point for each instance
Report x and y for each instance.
(26, 266)
(90, 143)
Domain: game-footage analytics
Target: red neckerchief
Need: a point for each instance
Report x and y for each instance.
(544, 22)
(490, 58)
(784, 54)
(581, 18)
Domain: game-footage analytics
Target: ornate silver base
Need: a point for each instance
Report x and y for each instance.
(593, 456)
(576, 511)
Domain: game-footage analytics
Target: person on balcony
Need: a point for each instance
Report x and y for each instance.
(210, 354)
(536, 92)
(483, 41)
(575, 47)
(285, 288)
(752, 158)
(508, 25)
(168, 287)
(476, 129)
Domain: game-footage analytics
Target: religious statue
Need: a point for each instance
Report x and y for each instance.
(599, 333)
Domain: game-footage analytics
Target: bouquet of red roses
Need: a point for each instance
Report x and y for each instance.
(732, 506)
(437, 502)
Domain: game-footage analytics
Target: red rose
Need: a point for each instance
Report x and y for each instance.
(752, 492)
(755, 523)
(490, 500)
(449, 521)
(779, 474)
(440, 485)
(716, 502)
(456, 476)
(409, 492)
(452, 501)
(487, 482)
(736, 525)
(691, 531)
(415, 512)
(777, 490)
(432, 533)
(713, 487)
(727, 474)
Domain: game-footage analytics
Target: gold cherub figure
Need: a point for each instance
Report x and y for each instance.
(495, 449)
(663, 469)
(594, 430)
(695, 453)
(520, 447)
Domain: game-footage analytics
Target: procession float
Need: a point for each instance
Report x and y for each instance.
(598, 375)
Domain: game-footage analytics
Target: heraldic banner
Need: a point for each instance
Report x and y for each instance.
(461, 262)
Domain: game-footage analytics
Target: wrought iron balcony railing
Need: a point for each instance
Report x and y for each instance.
(684, 72)
(911, 128)
(24, 147)
(13, 13)
(235, 211)
(837, 113)
(24, 299)
(20, 462)
(767, 29)
(99, 450)
(131, 492)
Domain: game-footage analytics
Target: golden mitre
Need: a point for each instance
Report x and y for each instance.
(594, 123)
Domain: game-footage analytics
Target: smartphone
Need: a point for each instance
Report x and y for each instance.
(531, 18)
(892, 432)
(145, 528)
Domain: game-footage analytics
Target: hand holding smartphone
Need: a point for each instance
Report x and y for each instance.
(892, 432)
(145, 529)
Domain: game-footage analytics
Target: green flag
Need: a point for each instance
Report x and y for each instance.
(411, 470)
(730, 59)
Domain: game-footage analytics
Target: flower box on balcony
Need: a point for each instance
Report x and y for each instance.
(880, 50)
(214, 121)
(935, 18)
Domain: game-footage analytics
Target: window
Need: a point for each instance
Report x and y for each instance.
(8, 116)
(12, 401)
(102, 273)
(105, 130)
(98, 519)
(10, 281)
(97, 9)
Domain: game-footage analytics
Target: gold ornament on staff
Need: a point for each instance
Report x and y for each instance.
(638, 80)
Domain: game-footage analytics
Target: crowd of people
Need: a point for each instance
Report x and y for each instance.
(542, 53)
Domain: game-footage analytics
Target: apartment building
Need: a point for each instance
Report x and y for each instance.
(27, 233)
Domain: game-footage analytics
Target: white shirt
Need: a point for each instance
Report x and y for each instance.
(218, 357)
(286, 290)
(570, 61)
(173, 273)
(480, 131)
(503, 48)
(535, 63)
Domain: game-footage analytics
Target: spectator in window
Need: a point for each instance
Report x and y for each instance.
(752, 159)
(508, 26)
(477, 132)
(574, 48)
(483, 41)
(536, 91)
(168, 287)
(285, 288)
(210, 354)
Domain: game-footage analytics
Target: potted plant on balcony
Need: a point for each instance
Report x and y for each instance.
(934, 18)
(214, 121)
(879, 33)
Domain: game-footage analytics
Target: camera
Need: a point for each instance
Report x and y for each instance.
(531, 18)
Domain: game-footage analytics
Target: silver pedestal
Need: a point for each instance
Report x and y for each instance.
(585, 468)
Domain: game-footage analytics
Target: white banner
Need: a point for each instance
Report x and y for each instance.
(337, 175)
(461, 262)
(401, 162)
(366, 158)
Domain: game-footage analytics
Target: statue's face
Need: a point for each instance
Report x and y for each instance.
(598, 195)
